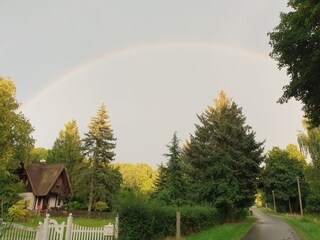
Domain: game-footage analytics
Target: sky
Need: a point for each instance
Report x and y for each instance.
(155, 65)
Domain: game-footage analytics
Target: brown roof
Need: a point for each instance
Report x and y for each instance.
(43, 176)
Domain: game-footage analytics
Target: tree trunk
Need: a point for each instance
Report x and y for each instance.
(90, 196)
(290, 209)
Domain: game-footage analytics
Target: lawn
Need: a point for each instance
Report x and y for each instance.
(83, 221)
(233, 231)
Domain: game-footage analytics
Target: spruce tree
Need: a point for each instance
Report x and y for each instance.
(172, 183)
(99, 179)
(223, 159)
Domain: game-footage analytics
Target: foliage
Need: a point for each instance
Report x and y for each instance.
(97, 180)
(139, 176)
(38, 154)
(67, 148)
(280, 175)
(223, 158)
(74, 205)
(100, 206)
(19, 210)
(309, 143)
(4, 226)
(15, 130)
(15, 140)
(143, 219)
(295, 42)
(172, 182)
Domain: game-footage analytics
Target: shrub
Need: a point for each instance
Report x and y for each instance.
(145, 220)
(100, 206)
(74, 205)
(19, 211)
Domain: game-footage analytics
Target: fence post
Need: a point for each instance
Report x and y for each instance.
(178, 225)
(116, 227)
(46, 227)
(69, 227)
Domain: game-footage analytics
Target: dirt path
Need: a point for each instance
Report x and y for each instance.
(270, 228)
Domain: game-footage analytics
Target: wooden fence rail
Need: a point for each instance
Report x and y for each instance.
(51, 230)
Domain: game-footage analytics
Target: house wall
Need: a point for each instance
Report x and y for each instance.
(28, 196)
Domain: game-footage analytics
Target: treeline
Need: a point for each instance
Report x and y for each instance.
(221, 166)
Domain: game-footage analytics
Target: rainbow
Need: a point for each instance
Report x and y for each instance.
(139, 49)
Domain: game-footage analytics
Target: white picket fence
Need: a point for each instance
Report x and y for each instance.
(51, 230)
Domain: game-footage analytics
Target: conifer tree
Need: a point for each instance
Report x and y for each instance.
(67, 148)
(223, 159)
(172, 182)
(99, 179)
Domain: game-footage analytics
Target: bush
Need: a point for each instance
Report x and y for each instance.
(313, 203)
(100, 206)
(19, 211)
(141, 219)
(74, 205)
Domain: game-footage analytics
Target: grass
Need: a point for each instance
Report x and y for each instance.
(234, 231)
(83, 221)
(308, 227)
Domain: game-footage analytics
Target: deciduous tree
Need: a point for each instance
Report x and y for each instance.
(295, 42)
(280, 175)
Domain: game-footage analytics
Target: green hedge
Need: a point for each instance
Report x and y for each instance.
(141, 219)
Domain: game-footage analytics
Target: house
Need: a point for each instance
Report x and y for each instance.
(46, 185)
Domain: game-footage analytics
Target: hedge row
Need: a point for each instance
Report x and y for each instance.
(144, 220)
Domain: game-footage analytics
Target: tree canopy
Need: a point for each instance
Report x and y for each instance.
(96, 179)
(16, 141)
(67, 148)
(295, 42)
(280, 175)
(223, 158)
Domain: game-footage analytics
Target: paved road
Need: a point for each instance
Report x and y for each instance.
(270, 228)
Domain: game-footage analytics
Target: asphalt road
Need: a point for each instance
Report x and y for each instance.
(270, 228)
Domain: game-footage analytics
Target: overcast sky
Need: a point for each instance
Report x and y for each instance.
(155, 64)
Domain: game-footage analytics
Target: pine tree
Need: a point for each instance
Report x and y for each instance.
(223, 158)
(98, 147)
(172, 183)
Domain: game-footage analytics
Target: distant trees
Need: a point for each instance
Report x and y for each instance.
(280, 175)
(138, 177)
(224, 159)
(16, 141)
(295, 42)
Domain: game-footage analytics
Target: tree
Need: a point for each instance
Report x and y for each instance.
(16, 141)
(280, 175)
(138, 177)
(295, 42)
(223, 158)
(172, 181)
(38, 154)
(98, 148)
(67, 148)
(309, 143)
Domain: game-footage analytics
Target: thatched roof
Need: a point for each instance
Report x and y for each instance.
(43, 176)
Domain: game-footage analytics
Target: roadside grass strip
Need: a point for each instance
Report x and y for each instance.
(232, 231)
(308, 227)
